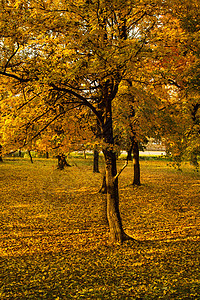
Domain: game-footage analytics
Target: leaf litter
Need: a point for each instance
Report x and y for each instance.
(55, 241)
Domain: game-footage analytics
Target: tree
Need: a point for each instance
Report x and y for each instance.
(190, 22)
(69, 54)
(185, 114)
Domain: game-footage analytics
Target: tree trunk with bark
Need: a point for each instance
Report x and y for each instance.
(129, 154)
(103, 189)
(84, 154)
(136, 164)
(113, 215)
(31, 158)
(1, 159)
(117, 233)
(96, 161)
(62, 162)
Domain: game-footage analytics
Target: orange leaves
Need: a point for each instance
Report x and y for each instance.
(75, 54)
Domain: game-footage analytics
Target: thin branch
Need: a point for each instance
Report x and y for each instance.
(11, 57)
(22, 105)
(31, 122)
(124, 166)
(138, 19)
(49, 123)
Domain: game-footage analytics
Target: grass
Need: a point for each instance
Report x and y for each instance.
(54, 242)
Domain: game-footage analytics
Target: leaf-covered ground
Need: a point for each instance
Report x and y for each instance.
(54, 241)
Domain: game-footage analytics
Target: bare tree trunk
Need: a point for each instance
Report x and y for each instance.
(113, 214)
(117, 233)
(136, 164)
(103, 189)
(31, 158)
(129, 154)
(84, 154)
(96, 161)
(1, 159)
(62, 162)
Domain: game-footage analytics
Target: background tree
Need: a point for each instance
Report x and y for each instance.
(189, 17)
(173, 60)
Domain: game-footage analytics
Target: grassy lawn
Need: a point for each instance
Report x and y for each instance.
(54, 241)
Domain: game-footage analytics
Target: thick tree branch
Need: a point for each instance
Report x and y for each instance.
(4, 73)
(80, 97)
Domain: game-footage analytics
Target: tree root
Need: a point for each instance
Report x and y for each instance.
(126, 237)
